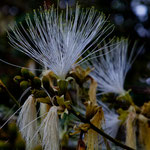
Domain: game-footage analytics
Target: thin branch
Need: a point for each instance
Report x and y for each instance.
(10, 95)
(99, 130)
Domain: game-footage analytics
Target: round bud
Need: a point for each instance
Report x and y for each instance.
(31, 75)
(24, 84)
(25, 72)
(17, 79)
(37, 82)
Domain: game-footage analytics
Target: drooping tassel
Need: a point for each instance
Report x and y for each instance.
(131, 128)
(144, 132)
(27, 122)
(44, 109)
(51, 130)
(92, 138)
(92, 91)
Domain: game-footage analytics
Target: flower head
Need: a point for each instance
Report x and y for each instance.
(57, 40)
(110, 70)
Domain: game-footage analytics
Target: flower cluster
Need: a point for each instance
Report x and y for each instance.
(60, 41)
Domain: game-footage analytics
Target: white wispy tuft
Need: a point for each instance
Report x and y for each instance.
(57, 40)
(110, 70)
(112, 123)
(50, 140)
(27, 115)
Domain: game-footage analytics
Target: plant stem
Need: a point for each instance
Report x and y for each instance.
(100, 131)
(10, 95)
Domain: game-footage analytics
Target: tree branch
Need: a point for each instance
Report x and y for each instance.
(10, 95)
(99, 130)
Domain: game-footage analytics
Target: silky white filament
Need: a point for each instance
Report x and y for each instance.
(26, 116)
(111, 69)
(57, 40)
(10, 117)
(112, 123)
(50, 139)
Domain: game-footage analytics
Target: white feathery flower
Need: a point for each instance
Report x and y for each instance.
(27, 115)
(57, 40)
(110, 70)
(50, 140)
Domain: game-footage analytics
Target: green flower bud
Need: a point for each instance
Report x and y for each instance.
(24, 84)
(25, 73)
(17, 79)
(31, 75)
(37, 82)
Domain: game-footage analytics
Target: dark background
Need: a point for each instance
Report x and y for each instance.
(131, 20)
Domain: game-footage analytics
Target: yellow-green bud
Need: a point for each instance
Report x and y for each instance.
(24, 84)
(31, 75)
(37, 82)
(25, 72)
(17, 79)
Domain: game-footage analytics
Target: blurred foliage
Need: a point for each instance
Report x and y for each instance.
(11, 138)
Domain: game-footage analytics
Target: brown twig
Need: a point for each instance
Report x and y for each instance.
(118, 143)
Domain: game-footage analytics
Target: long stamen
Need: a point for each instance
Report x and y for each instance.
(56, 41)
